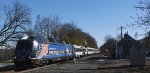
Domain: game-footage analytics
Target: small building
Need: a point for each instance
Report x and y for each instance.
(137, 55)
(124, 47)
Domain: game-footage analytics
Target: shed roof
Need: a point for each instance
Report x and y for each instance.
(127, 39)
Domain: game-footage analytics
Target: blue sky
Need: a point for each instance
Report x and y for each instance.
(96, 17)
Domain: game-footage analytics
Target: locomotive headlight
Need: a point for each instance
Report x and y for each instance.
(15, 57)
(35, 44)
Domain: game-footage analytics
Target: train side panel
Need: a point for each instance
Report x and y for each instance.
(58, 52)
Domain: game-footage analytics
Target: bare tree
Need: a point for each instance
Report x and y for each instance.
(107, 37)
(47, 26)
(142, 20)
(107, 47)
(51, 28)
(70, 33)
(15, 20)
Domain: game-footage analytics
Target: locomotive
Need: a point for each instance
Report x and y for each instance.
(37, 51)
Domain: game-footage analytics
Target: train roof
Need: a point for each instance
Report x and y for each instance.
(76, 46)
(39, 39)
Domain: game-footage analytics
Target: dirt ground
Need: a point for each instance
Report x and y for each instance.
(91, 64)
(94, 64)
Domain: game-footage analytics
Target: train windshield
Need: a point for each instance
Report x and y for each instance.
(24, 48)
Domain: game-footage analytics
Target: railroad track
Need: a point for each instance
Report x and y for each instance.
(10, 69)
(51, 66)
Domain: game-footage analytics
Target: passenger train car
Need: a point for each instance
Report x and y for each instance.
(81, 51)
(36, 51)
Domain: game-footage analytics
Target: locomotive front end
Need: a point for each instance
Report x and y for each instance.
(23, 53)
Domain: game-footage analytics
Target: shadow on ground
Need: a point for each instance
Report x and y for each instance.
(97, 58)
(7, 68)
(118, 67)
(107, 68)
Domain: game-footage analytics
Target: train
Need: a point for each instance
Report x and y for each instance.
(33, 51)
(81, 51)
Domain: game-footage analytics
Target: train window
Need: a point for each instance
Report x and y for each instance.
(24, 44)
